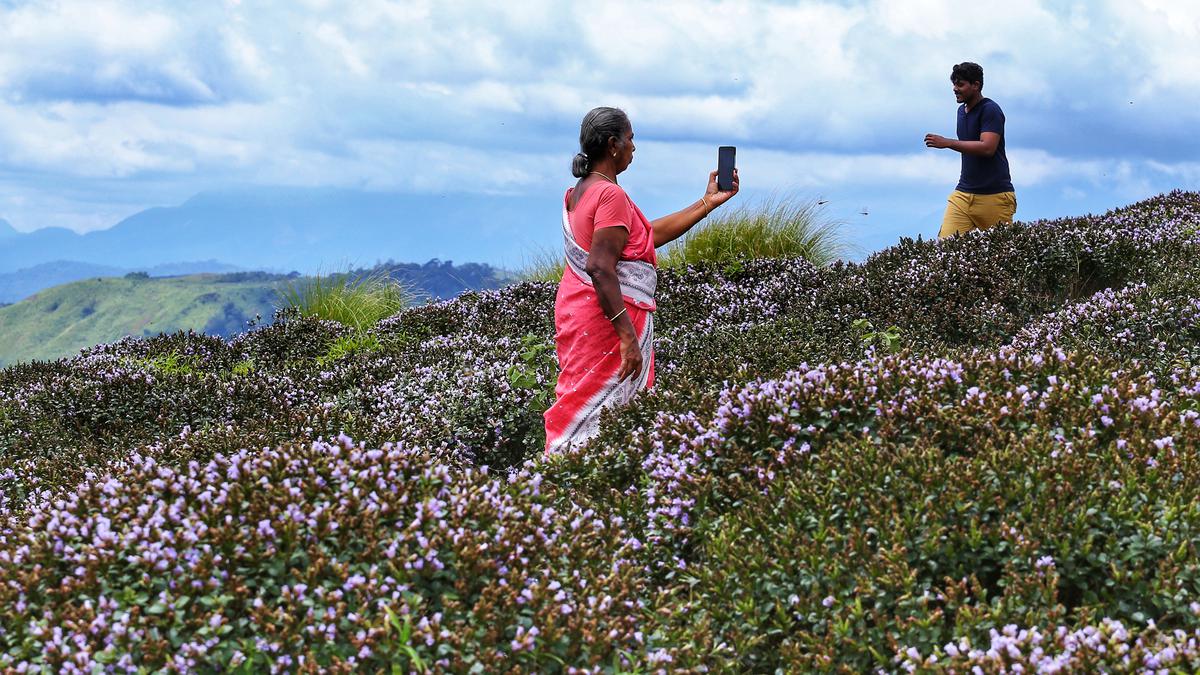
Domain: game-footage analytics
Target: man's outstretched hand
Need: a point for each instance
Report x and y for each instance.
(935, 141)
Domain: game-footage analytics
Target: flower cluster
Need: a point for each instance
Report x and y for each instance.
(1107, 647)
(924, 494)
(309, 554)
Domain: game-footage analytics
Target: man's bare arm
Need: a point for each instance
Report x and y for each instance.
(984, 147)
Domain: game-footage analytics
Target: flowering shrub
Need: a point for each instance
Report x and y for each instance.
(788, 497)
(295, 556)
(983, 286)
(1158, 325)
(1109, 647)
(827, 516)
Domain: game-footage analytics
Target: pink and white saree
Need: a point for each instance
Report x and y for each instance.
(589, 350)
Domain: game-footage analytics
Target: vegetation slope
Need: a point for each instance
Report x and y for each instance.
(972, 453)
(62, 320)
(59, 321)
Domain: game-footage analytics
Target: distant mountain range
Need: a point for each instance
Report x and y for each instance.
(285, 229)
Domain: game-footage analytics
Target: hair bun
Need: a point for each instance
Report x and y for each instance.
(580, 165)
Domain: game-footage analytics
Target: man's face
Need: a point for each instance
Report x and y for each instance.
(965, 91)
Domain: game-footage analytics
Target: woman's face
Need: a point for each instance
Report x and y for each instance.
(625, 151)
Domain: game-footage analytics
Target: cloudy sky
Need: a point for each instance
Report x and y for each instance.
(107, 108)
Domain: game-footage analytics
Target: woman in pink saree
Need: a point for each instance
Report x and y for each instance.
(604, 310)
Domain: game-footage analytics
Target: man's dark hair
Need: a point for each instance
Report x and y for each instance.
(967, 72)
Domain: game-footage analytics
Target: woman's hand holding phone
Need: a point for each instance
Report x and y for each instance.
(722, 183)
(715, 196)
(669, 228)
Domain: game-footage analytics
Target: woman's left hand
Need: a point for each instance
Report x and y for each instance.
(717, 197)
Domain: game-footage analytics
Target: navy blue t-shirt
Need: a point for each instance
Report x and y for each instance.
(983, 175)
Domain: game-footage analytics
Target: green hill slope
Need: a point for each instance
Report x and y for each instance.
(57, 322)
(62, 320)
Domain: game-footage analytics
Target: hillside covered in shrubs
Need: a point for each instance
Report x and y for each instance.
(60, 321)
(979, 452)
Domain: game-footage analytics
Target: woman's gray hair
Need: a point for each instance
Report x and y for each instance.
(599, 125)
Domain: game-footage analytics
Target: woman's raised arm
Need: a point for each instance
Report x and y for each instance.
(669, 228)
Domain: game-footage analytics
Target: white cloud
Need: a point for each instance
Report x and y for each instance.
(107, 28)
(94, 50)
(246, 54)
(337, 43)
(818, 94)
(491, 95)
(128, 139)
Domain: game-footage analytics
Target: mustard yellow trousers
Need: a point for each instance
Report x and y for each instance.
(966, 212)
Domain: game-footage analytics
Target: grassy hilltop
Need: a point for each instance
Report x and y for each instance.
(60, 321)
(64, 319)
(979, 452)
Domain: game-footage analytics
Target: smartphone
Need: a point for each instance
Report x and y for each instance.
(725, 155)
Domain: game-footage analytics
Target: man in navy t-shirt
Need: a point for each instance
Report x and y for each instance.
(984, 195)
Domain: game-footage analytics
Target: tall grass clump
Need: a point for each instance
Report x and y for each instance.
(543, 264)
(356, 301)
(776, 227)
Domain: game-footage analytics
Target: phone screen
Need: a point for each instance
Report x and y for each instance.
(725, 164)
